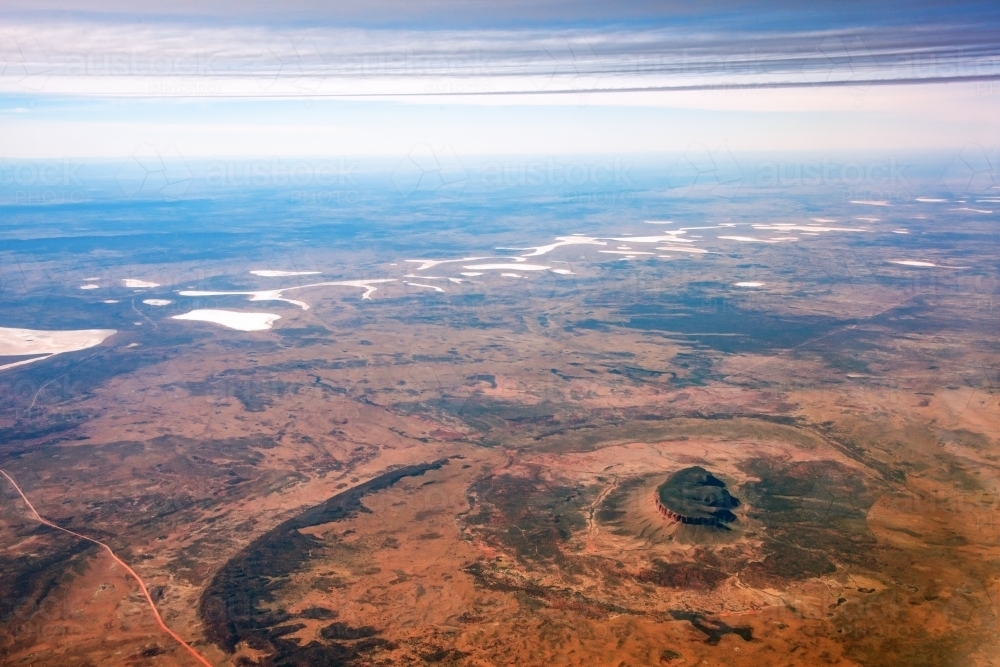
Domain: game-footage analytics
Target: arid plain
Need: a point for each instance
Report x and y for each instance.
(467, 475)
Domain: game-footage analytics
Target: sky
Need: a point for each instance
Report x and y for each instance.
(208, 79)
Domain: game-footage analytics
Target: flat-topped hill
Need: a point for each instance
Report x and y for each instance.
(696, 496)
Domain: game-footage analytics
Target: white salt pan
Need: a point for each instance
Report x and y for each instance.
(157, 302)
(433, 287)
(922, 264)
(135, 282)
(911, 262)
(560, 241)
(514, 267)
(232, 319)
(24, 342)
(89, 286)
(671, 237)
(275, 294)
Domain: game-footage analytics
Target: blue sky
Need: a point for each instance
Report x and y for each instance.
(438, 14)
(212, 79)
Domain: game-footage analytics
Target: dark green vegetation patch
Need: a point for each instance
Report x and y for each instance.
(814, 514)
(234, 606)
(530, 517)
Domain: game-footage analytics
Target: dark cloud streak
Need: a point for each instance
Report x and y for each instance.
(136, 59)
